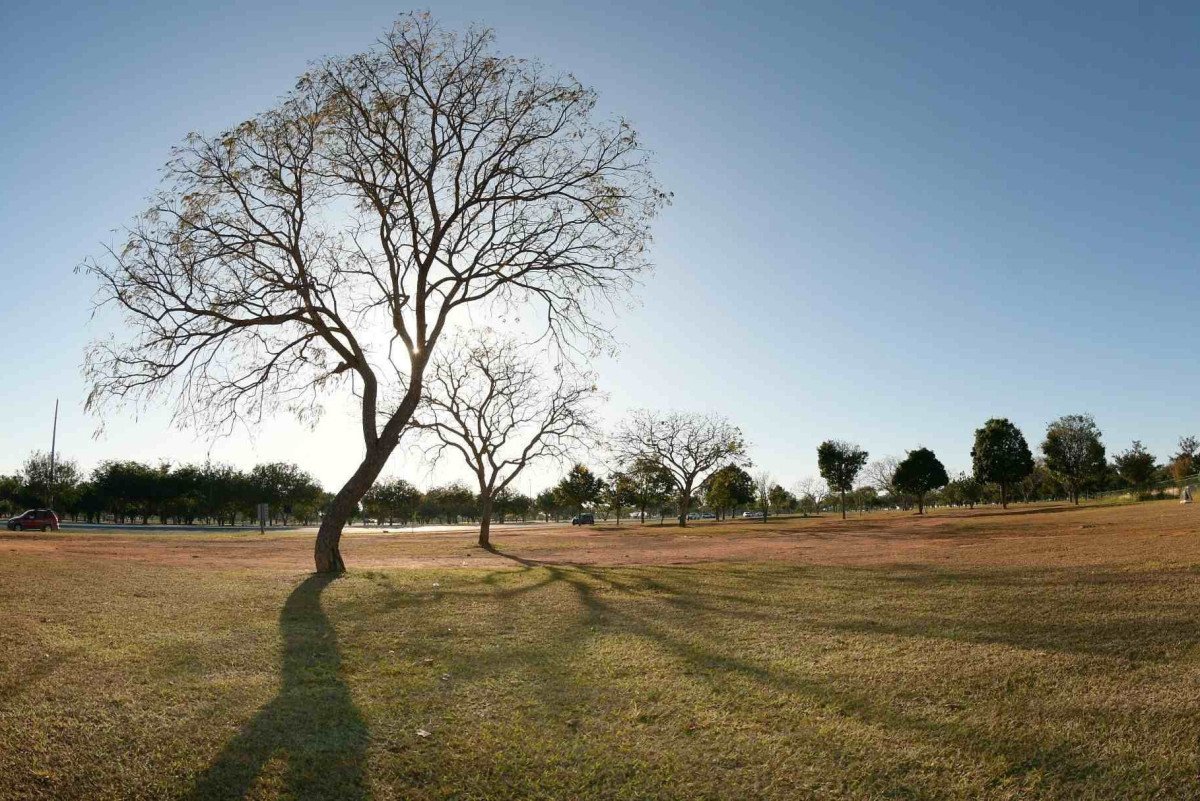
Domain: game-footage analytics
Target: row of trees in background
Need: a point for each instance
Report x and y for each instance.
(701, 460)
(667, 464)
(131, 492)
(1072, 462)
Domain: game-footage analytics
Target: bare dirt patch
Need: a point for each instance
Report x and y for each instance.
(1061, 535)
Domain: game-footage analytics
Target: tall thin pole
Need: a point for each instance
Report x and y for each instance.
(53, 444)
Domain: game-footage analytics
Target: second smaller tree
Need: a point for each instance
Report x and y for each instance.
(840, 463)
(1001, 455)
(1074, 451)
(921, 472)
(488, 400)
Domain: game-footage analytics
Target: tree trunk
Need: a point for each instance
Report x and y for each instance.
(1003, 496)
(685, 503)
(920, 504)
(326, 554)
(843, 504)
(485, 520)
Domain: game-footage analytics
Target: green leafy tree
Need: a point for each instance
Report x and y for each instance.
(508, 503)
(10, 494)
(618, 493)
(1184, 462)
(579, 489)
(964, 490)
(547, 503)
(393, 499)
(920, 473)
(1001, 455)
(840, 463)
(49, 484)
(449, 503)
(727, 489)
(1040, 485)
(651, 484)
(1135, 466)
(283, 487)
(1074, 452)
(782, 501)
(123, 487)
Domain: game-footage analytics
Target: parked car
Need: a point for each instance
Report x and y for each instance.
(693, 515)
(752, 513)
(585, 519)
(34, 519)
(708, 516)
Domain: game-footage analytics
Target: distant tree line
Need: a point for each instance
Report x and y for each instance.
(1071, 464)
(136, 492)
(670, 465)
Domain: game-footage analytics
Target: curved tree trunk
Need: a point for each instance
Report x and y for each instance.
(326, 553)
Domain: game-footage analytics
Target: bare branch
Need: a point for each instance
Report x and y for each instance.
(330, 242)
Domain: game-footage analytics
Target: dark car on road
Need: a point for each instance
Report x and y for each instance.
(585, 519)
(34, 520)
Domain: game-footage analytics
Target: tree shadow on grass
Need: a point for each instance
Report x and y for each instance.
(312, 723)
(708, 659)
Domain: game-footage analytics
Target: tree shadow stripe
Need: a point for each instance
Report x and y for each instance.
(312, 722)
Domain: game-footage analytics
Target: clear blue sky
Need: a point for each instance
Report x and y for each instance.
(891, 221)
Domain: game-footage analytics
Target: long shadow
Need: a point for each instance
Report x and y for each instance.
(1039, 510)
(312, 723)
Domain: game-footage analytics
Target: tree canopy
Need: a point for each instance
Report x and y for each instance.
(727, 489)
(1001, 455)
(1074, 452)
(689, 446)
(331, 241)
(580, 488)
(488, 400)
(919, 473)
(650, 484)
(1136, 466)
(840, 463)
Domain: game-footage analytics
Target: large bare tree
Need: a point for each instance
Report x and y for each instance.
(487, 399)
(330, 241)
(689, 446)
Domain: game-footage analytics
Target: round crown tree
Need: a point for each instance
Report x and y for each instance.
(1074, 451)
(1001, 455)
(920, 473)
(331, 241)
(840, 463)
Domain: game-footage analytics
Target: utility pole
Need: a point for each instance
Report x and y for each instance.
(53, 443)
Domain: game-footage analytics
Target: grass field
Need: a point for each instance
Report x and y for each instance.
(1041, 653)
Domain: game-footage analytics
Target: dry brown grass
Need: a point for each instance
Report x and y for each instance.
(1038, 653)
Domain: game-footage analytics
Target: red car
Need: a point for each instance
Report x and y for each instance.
(42, 519)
